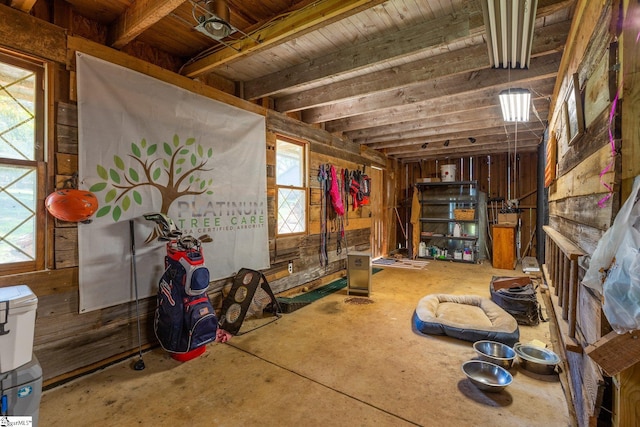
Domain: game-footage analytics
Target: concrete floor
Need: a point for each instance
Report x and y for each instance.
(328, 364)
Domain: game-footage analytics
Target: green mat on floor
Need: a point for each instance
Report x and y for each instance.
(287, 305)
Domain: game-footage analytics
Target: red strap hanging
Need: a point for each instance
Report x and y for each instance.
(334, 192)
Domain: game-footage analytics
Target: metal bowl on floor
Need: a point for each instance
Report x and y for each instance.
(495, 352)
(537, 359)
(487, 376)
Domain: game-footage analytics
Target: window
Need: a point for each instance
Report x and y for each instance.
(21, 165)
(291, 173)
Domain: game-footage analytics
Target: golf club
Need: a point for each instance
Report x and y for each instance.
(138, 365)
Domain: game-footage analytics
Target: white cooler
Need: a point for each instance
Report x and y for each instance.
(21, 392)
(17, 326)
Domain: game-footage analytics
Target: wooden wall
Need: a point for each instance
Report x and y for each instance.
(492, 173)
(303, 251)
(68, 343)
(586, 165)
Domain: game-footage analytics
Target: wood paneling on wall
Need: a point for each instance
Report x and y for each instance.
(68, 343)
(585, 165)
(324, 148)
(492, 174)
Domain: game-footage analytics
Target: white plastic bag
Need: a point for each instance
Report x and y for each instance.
(622, 286)
(614, 269)
(609, 243)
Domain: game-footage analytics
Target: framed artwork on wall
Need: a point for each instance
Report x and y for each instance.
(573, 110)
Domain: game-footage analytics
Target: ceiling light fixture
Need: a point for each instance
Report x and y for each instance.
(509, 29)
(424, 145)
(215, 21)
(515, 105)
(446, 143)
(472, 140)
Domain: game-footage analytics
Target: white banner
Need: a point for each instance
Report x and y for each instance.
(148, 146)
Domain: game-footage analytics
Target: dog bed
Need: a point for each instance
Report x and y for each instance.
(466, 317)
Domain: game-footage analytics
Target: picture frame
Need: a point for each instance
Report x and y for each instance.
(573, 110)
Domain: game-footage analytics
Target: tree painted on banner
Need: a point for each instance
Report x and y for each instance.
(175, 171)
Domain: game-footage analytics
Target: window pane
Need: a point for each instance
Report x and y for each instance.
(18, 195)
(17, 112)
(289, 164)
(291, 211)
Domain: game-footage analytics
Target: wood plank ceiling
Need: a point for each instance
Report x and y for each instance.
(401, 76)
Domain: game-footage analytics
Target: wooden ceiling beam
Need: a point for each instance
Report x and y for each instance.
(405, 42)
(469, 128)
(465, 151)
(434, 107)
(461, 140)
(140, 16)
(548, 7)
(389, 47)
(463, 144)
(23, 5)
(542, 67)
(479, 151)
(546, 40)
(30, 35)
(294, 24)
(447, 120)
(415, 142)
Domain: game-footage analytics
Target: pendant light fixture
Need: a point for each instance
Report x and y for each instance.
(515, 105)
(214, 22)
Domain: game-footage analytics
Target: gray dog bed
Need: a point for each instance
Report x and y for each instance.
(466, 317)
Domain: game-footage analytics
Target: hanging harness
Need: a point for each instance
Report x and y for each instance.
(359, 188)
(322, 178)
(334, 187)
(335, 192)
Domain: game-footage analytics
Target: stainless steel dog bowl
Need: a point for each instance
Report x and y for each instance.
(487, 376)
(536, 359)
(495, 352)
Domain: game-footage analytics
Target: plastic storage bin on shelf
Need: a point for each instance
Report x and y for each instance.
(17, 326)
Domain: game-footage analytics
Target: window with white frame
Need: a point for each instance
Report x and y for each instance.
(291, 184)
(22, 171)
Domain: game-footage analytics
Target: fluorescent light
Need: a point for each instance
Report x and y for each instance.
(509, 26)
(515, 105)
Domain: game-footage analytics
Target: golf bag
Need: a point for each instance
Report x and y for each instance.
(519, 300)
(184, 318)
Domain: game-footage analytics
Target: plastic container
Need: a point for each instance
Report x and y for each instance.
(17, 326)
(422, 249)
(21, 391)
(448, 173)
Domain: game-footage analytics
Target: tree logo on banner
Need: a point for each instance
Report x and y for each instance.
(176, 170)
